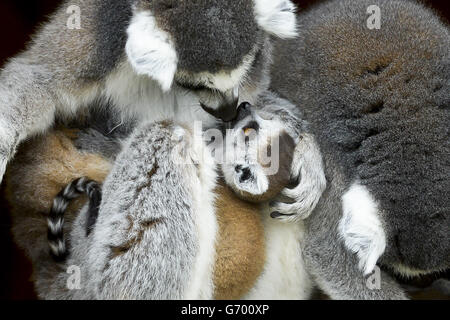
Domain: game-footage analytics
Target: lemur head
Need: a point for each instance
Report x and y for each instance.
(218, 49)
(259, 151)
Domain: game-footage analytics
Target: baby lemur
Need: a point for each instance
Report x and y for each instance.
(257, 157)
(256, 165)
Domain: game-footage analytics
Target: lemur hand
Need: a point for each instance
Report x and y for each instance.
(308, 170)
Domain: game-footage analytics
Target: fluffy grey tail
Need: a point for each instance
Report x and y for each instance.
(55, 233)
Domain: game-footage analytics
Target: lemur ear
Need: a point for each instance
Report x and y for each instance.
(150, 50)
(277, 17)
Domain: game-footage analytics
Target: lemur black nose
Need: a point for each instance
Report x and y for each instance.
(246, 175)
(243, 111)
(227, 111)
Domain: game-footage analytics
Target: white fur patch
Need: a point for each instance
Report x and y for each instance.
(224, 81)
(257, 185)
(203, 182)
(277, 17)
(141, 97)
(285, 276)
(5, 129)
(361, 227)
(150, 50)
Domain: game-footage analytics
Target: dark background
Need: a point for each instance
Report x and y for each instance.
(18, 20)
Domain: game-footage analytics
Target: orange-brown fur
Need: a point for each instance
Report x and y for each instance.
(240, 248)
(44, 165)
(41, 168)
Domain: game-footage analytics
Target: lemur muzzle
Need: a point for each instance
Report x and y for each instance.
(227, 110)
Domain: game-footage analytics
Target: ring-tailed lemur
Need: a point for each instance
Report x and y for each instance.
(148, 60)
(147, 192)
(378, 104)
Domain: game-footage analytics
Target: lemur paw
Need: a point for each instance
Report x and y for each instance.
(299, 202)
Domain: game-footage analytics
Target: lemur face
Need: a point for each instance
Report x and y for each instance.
(209, 47)
(258, 154)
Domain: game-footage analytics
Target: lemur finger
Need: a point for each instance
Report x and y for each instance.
(287, 208)
(305, 198)
(291, 211)
(293, 193)
(278, 215)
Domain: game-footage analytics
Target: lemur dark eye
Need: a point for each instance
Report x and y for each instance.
(253, 125)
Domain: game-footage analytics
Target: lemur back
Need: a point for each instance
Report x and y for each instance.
(381, 116)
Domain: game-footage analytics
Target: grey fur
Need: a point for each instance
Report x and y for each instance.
(196, 36)
(102, 133)
(144, 243)
(93, 141)
(378, 102)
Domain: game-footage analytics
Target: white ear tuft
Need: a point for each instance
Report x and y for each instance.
(150, 50)
(277, 17)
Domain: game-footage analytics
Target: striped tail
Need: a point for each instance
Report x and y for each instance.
(55, 233)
